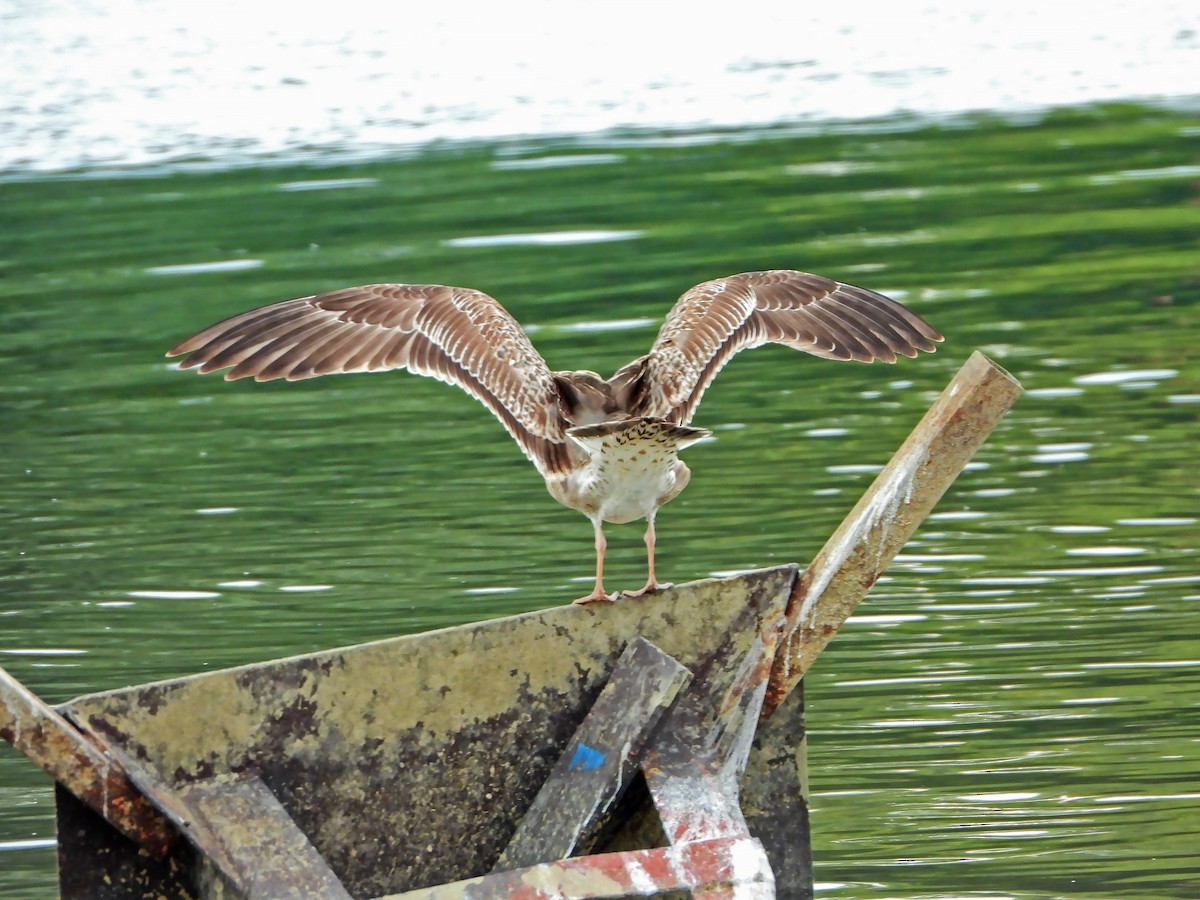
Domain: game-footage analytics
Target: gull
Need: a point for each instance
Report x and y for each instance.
(605, 447)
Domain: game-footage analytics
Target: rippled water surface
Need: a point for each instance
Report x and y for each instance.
(1013, 711)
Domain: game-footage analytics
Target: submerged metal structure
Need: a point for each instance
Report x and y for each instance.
(641, 748)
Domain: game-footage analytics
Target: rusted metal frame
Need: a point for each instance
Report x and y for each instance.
(886, 516)
(691, 769)
(600, 760)
(259, 847)
(82, 765)
(725, 867)
(97, 862)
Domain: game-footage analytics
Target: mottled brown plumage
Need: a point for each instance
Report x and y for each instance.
(606, 447)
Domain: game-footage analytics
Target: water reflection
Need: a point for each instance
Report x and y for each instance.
(557, 161)
(552, 238)
(1141, 378)
(328, 184)
(223, 265)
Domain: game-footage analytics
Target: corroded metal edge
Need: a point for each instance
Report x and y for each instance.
(80, 766)
(666, 604)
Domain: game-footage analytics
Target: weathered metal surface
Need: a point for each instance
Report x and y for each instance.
(600, 761)
(774, 797)
(889, 512)
(268, 857)
(693, 764)
(386, 754)
(726, 867)
(693, 803)
(80, 765)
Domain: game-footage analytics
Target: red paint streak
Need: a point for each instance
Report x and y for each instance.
(704, 864)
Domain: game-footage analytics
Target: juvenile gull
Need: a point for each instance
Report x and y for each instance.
(606, 447)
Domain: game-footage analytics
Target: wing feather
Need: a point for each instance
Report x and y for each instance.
(717, 319)
(456, 335)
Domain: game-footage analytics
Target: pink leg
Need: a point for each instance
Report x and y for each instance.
(652, 583)
(597, 595)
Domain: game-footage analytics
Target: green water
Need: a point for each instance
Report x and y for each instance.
(1013, 712)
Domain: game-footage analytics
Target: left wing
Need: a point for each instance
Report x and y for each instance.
(716, 319)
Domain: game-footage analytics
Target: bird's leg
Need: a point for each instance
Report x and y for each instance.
(597, 595)
(652, 583)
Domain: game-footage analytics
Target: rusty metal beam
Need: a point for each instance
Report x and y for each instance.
(601, 759)
(79, 765)
(889, 512)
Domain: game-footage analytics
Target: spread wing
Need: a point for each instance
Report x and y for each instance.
(714, 320)
(457, 335)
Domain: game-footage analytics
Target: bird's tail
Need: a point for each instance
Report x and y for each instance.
(639, 428)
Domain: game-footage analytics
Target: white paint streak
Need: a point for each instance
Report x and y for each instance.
(619, 780)
(752, 875)
(641, 880)
(895, 492)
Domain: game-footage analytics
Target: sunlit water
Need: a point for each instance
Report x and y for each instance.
(1012, 713)
(141, 82)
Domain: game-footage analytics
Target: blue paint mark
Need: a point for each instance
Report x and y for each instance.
(586, 758)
